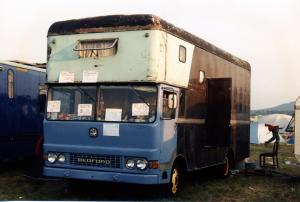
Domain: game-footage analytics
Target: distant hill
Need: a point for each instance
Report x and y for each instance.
(287, 108)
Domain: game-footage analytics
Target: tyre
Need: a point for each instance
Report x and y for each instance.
(226, 167)
(176, 181)
(223, 170)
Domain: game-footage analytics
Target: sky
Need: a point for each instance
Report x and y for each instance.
(266, 33)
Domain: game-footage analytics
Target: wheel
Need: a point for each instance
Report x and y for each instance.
(176, 181)
(223, 170)
(226, 167)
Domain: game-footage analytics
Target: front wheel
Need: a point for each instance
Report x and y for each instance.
(176, 181)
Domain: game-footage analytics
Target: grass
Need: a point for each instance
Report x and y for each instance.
(283, 185)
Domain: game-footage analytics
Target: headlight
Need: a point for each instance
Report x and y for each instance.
(61, 158)
(141, 164)
(52, 157)
(130, 164)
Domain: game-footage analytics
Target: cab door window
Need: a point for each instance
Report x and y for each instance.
(169, 105)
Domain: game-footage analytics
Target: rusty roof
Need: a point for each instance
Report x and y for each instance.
(115, 23)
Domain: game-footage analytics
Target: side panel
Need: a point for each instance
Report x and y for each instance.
(194, 132)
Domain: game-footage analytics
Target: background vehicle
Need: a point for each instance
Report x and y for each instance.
(293, 128)
(135, 99)
(22, 100)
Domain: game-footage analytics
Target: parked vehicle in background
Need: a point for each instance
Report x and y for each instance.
(135, 99)
(294, 128)
(22, 101)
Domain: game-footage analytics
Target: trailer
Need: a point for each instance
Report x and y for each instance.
(22, 101)
(134, 99)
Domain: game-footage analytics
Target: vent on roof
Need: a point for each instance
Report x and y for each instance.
(96, 48)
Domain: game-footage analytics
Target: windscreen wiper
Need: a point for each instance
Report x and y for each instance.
(139, 95)
(84, 92)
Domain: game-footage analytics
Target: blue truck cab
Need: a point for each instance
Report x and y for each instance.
(134, 99)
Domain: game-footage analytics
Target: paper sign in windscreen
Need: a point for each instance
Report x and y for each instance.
(140, 109)
(110, 129)
(66, 77)
(85, 109)
(53, 106)
(113, 114)
(89, 76)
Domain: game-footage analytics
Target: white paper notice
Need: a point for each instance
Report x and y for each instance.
(66, 77)
(53, 106)
(89, 76)
(85, 109)
(110, 129)
(113, 114)
(140, 109)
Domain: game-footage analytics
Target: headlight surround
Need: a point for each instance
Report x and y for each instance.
(141, 164)
(61, 158)
(130, 164)
(52, 157)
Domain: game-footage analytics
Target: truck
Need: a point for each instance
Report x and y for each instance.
(22, 103)
(134, 99)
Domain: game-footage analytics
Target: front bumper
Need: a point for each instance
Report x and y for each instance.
(101, 175)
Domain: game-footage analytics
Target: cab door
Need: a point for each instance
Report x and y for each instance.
(168, 104)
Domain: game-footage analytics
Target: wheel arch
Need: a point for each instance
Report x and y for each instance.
(180, 160)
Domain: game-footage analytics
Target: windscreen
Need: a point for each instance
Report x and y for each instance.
(103, 103)
(71, 103)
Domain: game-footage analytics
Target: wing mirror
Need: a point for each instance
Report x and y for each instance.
(172, 101)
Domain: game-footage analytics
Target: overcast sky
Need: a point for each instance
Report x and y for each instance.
(266, 33)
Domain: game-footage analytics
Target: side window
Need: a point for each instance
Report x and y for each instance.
(169, 108)
(182, 54)
(10, 84)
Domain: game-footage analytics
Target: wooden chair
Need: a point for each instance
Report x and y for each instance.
(273, 155)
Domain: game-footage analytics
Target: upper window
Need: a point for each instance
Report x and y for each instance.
(10, 84)
(96, 48)
(182, 54)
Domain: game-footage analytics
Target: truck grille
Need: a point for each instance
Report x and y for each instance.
(103, 161)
